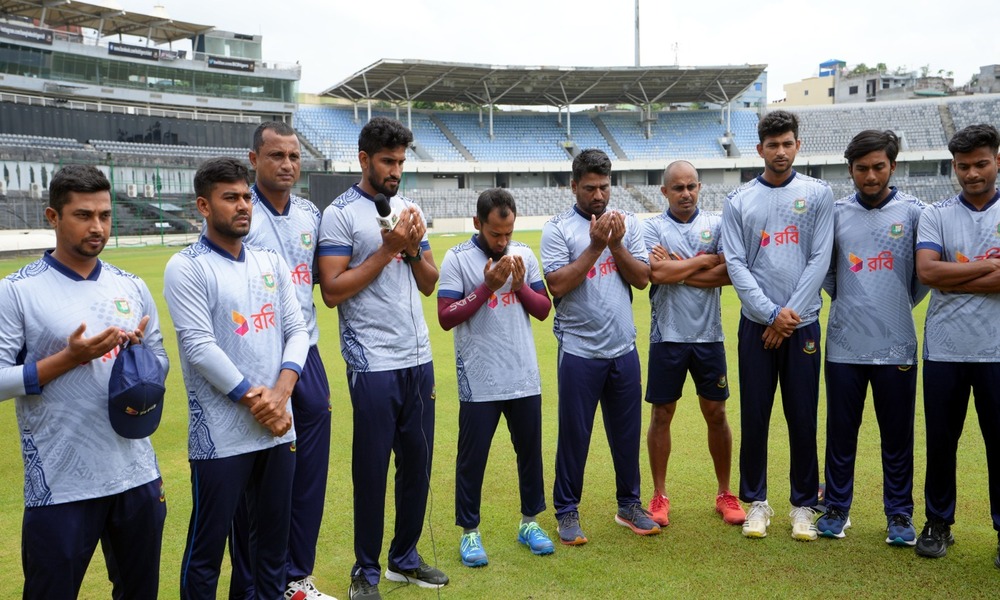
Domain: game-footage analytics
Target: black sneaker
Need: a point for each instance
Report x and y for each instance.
(996, 561)
(361, 589)
(934, 539)
(424, 575)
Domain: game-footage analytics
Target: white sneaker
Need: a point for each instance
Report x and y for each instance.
(803, 523)
(758, 518)
(305, 589)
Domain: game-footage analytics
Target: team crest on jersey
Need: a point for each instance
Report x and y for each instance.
(121, 305)
(810, 347)
(722, 383)
(997, 230)
(268, 280)
(706, 236)
(242, 326)
(799, 206)
(306, 239)
(896, 230)
(765, 238)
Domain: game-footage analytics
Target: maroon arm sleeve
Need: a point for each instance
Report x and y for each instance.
(451, 312)
(536, 302)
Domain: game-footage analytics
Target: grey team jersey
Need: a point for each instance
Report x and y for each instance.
(382, 327)
(681, 313)
(494, 349)
(594, 320)
(873, 282)
(778, 243)
(293, 235)
(70, 451)
(238, 324)
(962, 327)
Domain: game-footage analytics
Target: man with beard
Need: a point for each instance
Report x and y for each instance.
(957, 256)
(688, 271)
(289, 225)
(870, 338)
(777, 230)
(243, 342)
(375, 276)
(592, 258)
(83, 480)
(490, 286)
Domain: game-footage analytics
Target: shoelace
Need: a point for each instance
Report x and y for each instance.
(532, 529)
(569, 521)
(802, 513)
(760, 511)
(836, 514)
(730, 501)
(900, 521)
(658, 502)
(470, 541)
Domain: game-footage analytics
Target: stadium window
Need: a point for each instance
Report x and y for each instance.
(829, 92)
(853, 89)
(756, 87)
(805, 92)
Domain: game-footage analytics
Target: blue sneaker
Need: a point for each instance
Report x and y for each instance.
(569, 529)
(833, 523)
(471, 550)
(900, 531)
(535, 538)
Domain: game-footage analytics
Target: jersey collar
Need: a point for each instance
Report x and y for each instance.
(267, 203)
(675, 219)
(224, 254)
(993, 200)
(58, 266)
(760, 179)
(892, 194)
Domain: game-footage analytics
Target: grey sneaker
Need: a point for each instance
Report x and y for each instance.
(361, 589)
(636, 518)
(423, 575)
(569, 529)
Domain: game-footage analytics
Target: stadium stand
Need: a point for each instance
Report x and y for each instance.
(39, 141)
(531, 201)
(828, 130)
(974, 109)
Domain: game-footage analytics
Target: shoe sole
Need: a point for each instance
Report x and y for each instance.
(898, 541)
(731, 521)
(577, 541)
(661, 522)
(476, 563)
(401, 578)
(809, 536)
(756, 535)
(636, 530)
(539, 552)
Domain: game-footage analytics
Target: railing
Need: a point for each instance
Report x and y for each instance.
(126, 109)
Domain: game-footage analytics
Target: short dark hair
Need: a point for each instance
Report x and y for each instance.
(82, 179)
(776, 123)
(591, 160)
(872, 140)
(221, 169)
(381, 133)
(495, 198)
(973, 137)
(279, 127)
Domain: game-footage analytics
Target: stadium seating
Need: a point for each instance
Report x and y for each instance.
(135, 148)
(828, 130)
(973, 110)
(680, 134)
(38, 141)
(532, 201)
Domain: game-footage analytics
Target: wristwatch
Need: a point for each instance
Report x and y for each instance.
(412, 259)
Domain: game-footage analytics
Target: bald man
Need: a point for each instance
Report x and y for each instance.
(688, 272)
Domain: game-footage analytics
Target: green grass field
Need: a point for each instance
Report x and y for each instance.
(696, 556)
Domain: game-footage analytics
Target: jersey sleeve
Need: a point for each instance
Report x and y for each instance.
(450, 281)
(650, 235)
(335, 233)
(555, 252)
(152, 337)
(532, 274)
(184, 288)
(820, 251)
(424, 243)
(757, 305)
(14, 377)
(929, 234)
(635, 240)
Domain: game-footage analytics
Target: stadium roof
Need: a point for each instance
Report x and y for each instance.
(106, 17)
(408, 80)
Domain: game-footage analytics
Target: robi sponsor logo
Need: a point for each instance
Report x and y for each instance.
(884, 260)
(788, 235)
(262, 320)
(242, 327)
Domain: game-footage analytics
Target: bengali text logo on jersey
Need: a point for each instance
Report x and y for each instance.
(507, 298)
(896, 230)
(993, 252)
(788, 235)
(302, 274)
(121, 305)
(884, 260)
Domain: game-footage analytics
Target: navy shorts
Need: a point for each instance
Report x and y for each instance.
(670, 362)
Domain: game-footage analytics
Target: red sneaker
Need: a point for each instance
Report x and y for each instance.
(728, 505)
(659, 509)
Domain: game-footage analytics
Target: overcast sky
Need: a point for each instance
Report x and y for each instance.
(333, 39)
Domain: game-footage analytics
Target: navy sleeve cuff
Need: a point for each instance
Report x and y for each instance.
(31, 385)
(425, 245)
(453, 295)
(330, 250)
(538, 286)
(292, 367)
(930, 246)
(239, 391)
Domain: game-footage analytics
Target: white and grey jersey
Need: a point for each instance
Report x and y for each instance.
(494, 349)
(873, 281)
(292, 234)
(594, 320)
(962, 327)
(681, 313)
(382, 327)
(778, 242)
(238, 325)
(70, 451)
